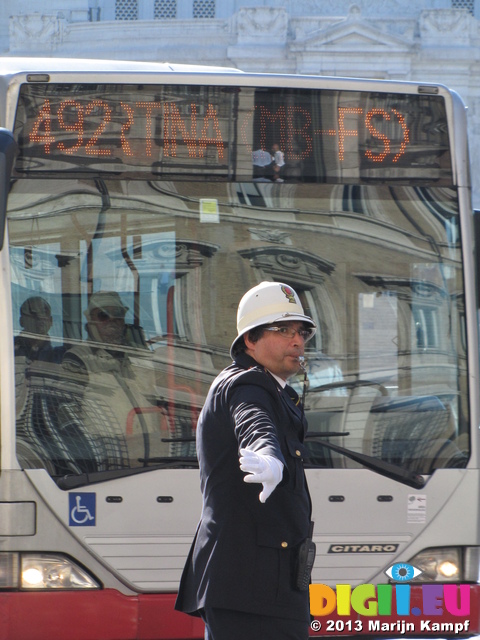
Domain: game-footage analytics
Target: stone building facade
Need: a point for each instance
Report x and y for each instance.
(426, 40)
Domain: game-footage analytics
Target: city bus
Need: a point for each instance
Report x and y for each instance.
(138, 203)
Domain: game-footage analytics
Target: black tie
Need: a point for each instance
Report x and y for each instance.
(292, 394)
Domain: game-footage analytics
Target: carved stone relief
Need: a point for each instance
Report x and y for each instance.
(284, 264)
(453, 22)
(265, 23)
(35, 30)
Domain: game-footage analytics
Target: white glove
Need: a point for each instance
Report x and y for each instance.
(263, 468)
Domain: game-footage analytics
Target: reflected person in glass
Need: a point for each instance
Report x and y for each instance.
(33, 341)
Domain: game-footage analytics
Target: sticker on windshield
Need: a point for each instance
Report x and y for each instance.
(209, 210)
(416, 509)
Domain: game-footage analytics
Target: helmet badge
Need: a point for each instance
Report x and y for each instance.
(289, 293)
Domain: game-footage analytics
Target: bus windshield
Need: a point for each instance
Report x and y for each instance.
(126, 274)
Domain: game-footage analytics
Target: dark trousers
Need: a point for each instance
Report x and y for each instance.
(225, 624)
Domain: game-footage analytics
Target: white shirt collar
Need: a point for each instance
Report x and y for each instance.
(280, 381)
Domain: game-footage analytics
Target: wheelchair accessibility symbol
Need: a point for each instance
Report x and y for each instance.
(82, 509)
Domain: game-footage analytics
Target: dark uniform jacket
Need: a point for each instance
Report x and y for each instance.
(244, 552)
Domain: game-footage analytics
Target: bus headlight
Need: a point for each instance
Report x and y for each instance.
(49, 571)
(442, 564)
(42, 571)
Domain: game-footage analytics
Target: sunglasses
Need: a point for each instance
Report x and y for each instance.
(103, 316)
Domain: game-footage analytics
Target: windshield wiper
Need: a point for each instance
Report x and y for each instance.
(150, 464)
(386, 469)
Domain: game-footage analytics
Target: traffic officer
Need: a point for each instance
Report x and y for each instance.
(245, 574)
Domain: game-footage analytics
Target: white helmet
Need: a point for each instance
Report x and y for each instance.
(266, 303)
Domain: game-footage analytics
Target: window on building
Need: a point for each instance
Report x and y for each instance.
(204, 8)
(426, 326)
(464, 4)
(126, 9)
(164, 9)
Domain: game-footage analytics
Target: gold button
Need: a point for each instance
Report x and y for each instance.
(284, 545)
(299, 453)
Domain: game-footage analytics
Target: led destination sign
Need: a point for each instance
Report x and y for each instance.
(232, 133)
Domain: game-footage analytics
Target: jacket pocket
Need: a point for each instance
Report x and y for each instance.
(275, 538)
(275, 564)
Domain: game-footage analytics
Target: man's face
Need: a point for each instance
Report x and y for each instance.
(37, 322)
(278, 353)
(107, 324)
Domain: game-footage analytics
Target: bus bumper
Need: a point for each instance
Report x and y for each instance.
(94, 615)
(428, 616)
(109, 615)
